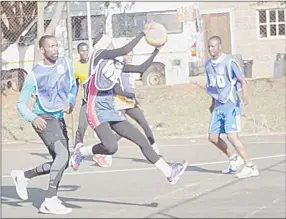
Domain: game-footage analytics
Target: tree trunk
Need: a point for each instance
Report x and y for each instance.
(40, 30)
(50, 29)
(56, 18)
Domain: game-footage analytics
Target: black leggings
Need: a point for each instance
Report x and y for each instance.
(55, 138)
(124, 129)
(137, 114)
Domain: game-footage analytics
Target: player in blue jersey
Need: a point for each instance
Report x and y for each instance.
(224, 79)
(52, 79)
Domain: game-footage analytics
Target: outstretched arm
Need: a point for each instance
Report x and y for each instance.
(113, 53)
(141, 68)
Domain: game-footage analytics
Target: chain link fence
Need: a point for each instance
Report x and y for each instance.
(88, 20)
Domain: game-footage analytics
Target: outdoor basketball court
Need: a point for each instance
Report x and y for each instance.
(132, 187)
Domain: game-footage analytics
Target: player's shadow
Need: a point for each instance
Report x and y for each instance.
(203, 170)
(137, 160)
(37, 196)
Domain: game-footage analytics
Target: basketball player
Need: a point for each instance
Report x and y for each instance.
(224, 77)
(126, 102)
(81, 75)
(53, 81)
(105, 67)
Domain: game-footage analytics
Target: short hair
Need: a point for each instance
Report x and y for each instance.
(215, 38)
(81, 45)
(44, 38)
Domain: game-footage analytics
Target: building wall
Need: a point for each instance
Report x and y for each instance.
(245, 40)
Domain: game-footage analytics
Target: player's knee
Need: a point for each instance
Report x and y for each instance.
(213, 138)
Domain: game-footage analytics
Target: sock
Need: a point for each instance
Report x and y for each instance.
(164, 167)
(233, 157)
(86, 151)
(249, 164)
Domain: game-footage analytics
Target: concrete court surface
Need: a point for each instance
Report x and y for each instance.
(132, 187)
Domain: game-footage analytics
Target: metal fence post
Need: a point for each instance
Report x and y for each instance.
(70, 50)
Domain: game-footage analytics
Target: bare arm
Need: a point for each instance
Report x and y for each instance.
(211, 108)
(240, 77)
(243, 90)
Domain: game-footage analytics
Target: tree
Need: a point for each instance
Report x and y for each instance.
(108, 10)
(59, 7)
(16, 16)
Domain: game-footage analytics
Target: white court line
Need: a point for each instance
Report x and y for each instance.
(188, 144)
(153, 168)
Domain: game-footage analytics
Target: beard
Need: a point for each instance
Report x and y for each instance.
(52, 59)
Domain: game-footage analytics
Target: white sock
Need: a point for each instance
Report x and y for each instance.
(164, 167)
(232, 156)
(249, 164)
(86, 151)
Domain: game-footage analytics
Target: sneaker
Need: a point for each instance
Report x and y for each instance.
(234, 163)
(21, 183)
(247, 171)
(76, 159)
(155, 148)
(54, 206)
(177, 170)
(103, 160)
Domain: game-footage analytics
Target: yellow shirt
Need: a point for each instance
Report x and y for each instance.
(81, 71)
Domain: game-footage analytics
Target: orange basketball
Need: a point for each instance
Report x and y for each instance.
(157, 35)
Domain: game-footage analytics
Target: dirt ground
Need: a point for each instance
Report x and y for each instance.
(174, 110)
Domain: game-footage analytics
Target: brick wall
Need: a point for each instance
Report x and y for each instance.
(246, 42)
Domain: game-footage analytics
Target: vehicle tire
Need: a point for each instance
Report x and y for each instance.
(154, 76)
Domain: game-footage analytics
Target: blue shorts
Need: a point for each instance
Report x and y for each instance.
(225, 120)
(105, 110)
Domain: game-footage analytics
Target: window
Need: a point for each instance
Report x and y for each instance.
(29, 38)
(271, 23)
(130, 24)
(79, 26)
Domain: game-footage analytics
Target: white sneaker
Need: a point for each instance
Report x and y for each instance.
(21, 183)
(54, 206)
(247, 171)
(155, 148)
(234, 163)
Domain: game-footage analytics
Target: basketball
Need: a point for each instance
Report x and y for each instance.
(157, 35)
